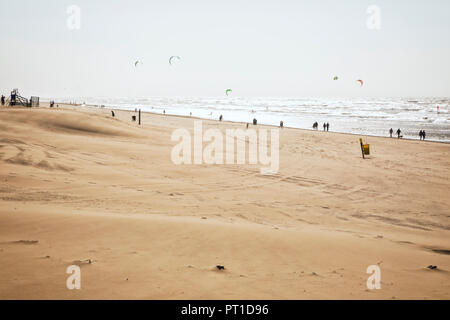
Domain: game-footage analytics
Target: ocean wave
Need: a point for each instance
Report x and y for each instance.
(368, 116)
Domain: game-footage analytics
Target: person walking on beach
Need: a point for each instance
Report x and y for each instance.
(423, 134)
(328, 126)
(391, 132)
(324, 126)
(398, 133)
(420, 134)
(3, 100)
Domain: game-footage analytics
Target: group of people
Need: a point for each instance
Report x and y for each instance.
(422, 133)
(326, 126)
(3, 100)
(399, 133)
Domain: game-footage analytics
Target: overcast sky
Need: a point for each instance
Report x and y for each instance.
(257, 48)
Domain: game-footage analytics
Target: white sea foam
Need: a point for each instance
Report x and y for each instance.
(361, 116)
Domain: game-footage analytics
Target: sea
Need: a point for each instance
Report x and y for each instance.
(365, 116)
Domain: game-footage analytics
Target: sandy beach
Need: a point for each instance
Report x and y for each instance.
(79, 187)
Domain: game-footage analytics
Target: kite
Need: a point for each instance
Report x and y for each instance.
(137, 62)
(172, 57)
(360, 81)
(335, 78)
(228, 90)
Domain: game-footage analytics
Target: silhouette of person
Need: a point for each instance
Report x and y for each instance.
(423, 134)
(391, 131)
(398, 133)
(328, 126)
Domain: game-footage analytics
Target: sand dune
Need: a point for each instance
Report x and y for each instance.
(80, 187)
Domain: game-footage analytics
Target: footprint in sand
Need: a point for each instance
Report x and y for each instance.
(87, 261)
